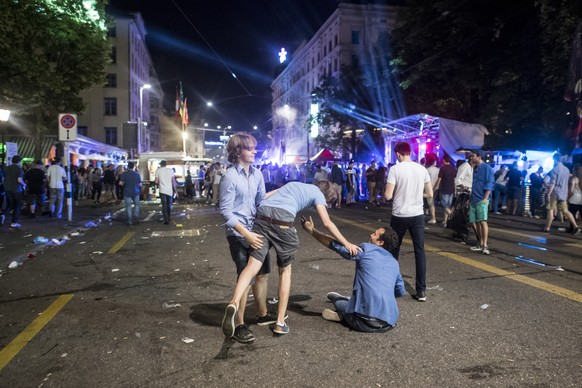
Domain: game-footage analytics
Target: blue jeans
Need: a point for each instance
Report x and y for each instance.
(166, 206)
(57, 195)
(415, 225)
(354, 321)
(499, 191)
(129, 209)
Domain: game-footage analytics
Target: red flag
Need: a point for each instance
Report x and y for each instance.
(185, 115)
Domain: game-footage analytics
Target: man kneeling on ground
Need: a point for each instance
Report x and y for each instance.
(372, 308)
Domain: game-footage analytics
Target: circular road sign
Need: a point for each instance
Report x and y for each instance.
(68, 121)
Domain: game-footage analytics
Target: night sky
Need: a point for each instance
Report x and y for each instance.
(197, 42)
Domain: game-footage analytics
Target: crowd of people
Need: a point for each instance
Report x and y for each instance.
(41, 188)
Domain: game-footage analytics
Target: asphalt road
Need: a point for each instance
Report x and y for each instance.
(141, 306)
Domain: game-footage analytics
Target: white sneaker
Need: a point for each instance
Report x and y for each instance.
(432, 222)
(485, 250)
(15, 225)
(330, 315)
(477, 248)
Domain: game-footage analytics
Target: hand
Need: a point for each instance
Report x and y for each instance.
(353, 249)
(307, 225)
(255, 240)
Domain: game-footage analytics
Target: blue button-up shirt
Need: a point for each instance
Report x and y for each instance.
(240, 196)
(377, 282)
(483, 180)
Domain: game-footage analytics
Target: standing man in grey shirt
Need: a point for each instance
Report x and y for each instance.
(242, 188)
(558, 195)
(131, 182)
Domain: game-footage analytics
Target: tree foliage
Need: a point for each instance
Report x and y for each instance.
(49, 52)
(499, 63)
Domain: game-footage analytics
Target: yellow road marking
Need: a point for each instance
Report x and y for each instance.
(28, 334)
(121, 243)
(575, 245)
(488, 268)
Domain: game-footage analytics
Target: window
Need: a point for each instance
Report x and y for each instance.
(111, 81)
(113, 54)
(335, 41)
(355, 60)
(355, 37)
(110, 106)
(329, 46)
(82, 130)
(111, 135)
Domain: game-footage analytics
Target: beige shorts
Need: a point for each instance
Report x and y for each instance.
(556, 204)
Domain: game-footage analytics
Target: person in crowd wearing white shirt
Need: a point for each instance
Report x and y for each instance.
(57, 177)
(166, 180)
(407, 183)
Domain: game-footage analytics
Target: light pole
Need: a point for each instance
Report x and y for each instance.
(140, 118)
(4, 116)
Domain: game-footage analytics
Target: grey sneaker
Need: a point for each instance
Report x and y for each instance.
(281, 329)
(477, 248)
(333, 296)
(243, 335)
(228, 321)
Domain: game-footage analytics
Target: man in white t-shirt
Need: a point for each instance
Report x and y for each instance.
(408, 181)
(166, 181)
(57, 176)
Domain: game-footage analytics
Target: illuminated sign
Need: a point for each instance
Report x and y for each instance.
(282, 55)
(213, 143)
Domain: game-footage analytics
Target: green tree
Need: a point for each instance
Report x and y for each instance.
(49, 52)
(500, 63)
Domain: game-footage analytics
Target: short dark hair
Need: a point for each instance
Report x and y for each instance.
(403, 148)
(328, 190)
(16, 159)
(130, 165)
(237, 143)
(163, 163)
(389, 238)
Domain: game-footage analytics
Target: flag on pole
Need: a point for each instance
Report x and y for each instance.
(185, 116)
(177, 105)
(181, 101)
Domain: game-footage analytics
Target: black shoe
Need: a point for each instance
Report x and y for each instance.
(420, 296)
(243, 335)
(268, 319)
(575, 231)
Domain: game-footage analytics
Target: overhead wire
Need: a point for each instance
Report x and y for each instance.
(212, 48)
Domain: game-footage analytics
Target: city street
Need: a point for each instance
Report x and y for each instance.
(141, 306)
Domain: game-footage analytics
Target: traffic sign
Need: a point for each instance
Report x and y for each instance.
(67, 127)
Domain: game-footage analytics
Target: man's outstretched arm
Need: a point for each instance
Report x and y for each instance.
(323, 238)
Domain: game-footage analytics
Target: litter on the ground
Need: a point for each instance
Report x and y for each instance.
(170, 305)
(187, 340)
(484, 306)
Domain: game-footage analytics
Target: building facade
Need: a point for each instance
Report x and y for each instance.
(343, 40)
(125, 112)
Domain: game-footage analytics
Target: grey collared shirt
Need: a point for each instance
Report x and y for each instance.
(240, 195)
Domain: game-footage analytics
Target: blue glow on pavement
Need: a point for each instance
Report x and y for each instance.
(532, 246)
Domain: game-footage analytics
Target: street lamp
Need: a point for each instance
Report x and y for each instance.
(4, 116)
(140, 118)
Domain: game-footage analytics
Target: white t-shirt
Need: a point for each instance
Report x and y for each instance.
(56, 175)
(408, 179)
(433, 172)
(464, 175)
(165, 176)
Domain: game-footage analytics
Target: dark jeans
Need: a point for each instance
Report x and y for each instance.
(415, 225)
(355, 322)
(13, 202)
(166, 206)
(535, 200)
